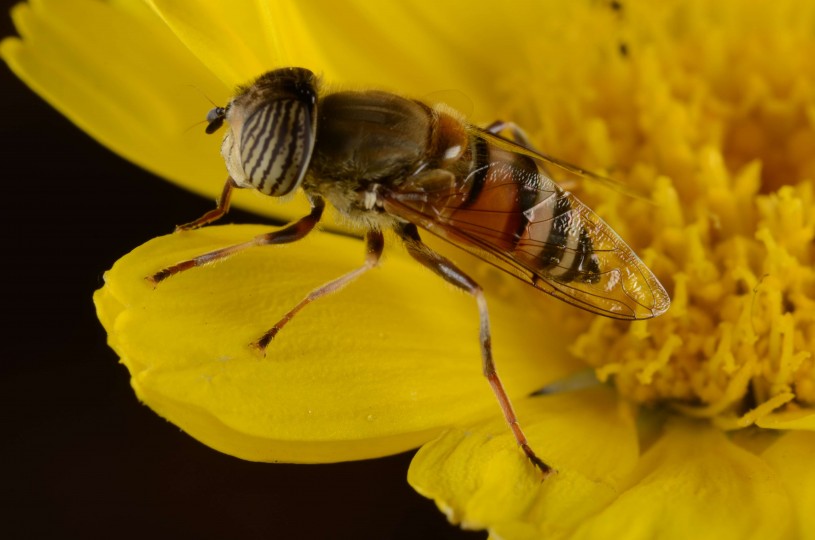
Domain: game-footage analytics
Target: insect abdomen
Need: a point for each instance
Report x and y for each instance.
(556, 239)
(507, 192)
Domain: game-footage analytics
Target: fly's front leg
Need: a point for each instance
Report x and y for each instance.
(450, 273)
(375, 243)
(217, 212)
(290, 233)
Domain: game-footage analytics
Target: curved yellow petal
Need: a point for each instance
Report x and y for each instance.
(694, 483)
(413, 47)
(237, 41)
(691, 483)
(792, 457)
(377, 368)
(124, 79)
(479, 478)
(118, 72)
(794, 419)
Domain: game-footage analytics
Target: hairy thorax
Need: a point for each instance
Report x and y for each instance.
(367, 141)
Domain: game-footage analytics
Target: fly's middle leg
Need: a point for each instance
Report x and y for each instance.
(375, 243)
(450, 273)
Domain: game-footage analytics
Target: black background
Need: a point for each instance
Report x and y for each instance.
(79, 456)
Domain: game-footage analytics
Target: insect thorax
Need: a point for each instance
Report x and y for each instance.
(369, 136)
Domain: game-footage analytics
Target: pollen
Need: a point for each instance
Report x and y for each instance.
(741, 330)
(724, 153)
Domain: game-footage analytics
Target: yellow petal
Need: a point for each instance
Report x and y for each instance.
(692, 483)
(237, 42)
(409, 47)
(695, 483)
(479, 478)
(792, 457)
(118, 72)
(377, 368)
(793, 419)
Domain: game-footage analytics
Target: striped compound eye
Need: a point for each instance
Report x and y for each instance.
(272, 130)
(276, 142)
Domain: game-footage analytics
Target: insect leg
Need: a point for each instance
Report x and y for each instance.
(375, 243)
(290, 233)
(217, 212)
(450, 273)
(518, 135)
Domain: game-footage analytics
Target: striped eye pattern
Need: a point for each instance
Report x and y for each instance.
(277, 140)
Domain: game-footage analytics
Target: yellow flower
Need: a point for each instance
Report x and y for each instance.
(705, 428)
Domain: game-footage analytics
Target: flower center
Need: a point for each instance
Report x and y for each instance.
(715, 122)
(741, 329)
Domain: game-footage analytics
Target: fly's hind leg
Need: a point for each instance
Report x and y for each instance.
(450, 273)
(518, 135)
(375, 243)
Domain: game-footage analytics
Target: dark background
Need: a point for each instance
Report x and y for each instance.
(79, 456)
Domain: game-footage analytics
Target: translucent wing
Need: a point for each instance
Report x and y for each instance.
(549, 162)
(525, 224)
